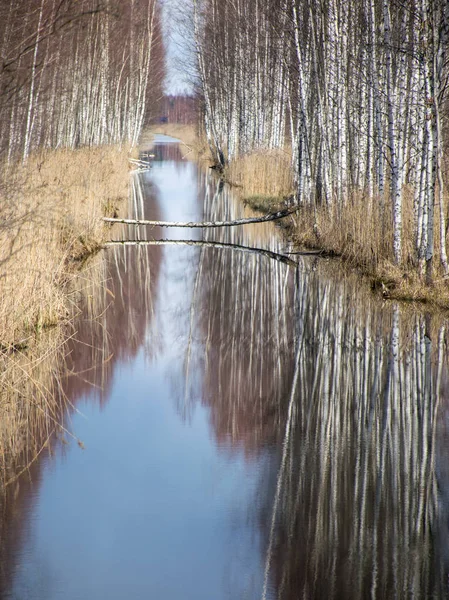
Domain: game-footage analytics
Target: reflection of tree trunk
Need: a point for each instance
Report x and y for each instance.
(245, 312)
(283, 465)
(355, 495)
(262, 251)
(192, 323)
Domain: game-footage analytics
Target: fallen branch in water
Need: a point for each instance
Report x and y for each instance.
(269, 253)
(308, 253)
(271, 217)
(142, 164)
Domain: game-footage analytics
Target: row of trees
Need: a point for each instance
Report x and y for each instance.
(179, 108)
(357, 89)
(77, 72)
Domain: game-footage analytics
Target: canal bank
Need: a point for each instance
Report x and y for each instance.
(248, 428)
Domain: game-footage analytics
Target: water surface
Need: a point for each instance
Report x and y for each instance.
(247, 429)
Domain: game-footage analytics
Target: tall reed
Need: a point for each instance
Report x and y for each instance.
(51, 212)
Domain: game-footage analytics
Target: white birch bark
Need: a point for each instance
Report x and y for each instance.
(395, 169)
(31, 98)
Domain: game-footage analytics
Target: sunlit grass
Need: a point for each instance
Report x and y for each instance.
(358, 230)
(265, 172)
(51, 212)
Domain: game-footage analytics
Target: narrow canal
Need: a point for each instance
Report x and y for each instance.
(248, 428)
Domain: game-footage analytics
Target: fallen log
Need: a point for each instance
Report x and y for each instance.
(266, 218)
(140, 164)
(274, 255)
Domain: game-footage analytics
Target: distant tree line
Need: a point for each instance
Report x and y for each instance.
(357, 89)
(179, 108)
(77, 72)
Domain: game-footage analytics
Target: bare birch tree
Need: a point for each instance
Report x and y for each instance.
(357, 90)
(77, 73)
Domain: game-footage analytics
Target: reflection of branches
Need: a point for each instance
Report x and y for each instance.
(283, 465)
(358, 488)
(39, 389)
(354, 506)
(262, 251)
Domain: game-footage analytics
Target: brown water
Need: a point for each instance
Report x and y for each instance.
(251, 429)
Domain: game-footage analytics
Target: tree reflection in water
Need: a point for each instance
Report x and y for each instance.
(343, 398)
(354, 397)
(114, 299)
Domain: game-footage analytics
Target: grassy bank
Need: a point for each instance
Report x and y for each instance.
(51, 211)
(357, 232)
(51, 224)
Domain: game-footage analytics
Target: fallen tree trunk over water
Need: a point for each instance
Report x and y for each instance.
(271, 217)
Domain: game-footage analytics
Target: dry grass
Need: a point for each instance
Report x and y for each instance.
(266, 172)
(51, 221)
(51, 211)
(359, 232)
(363, 237)
(30, 406)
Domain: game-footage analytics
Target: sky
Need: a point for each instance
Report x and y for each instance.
(177, 80)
